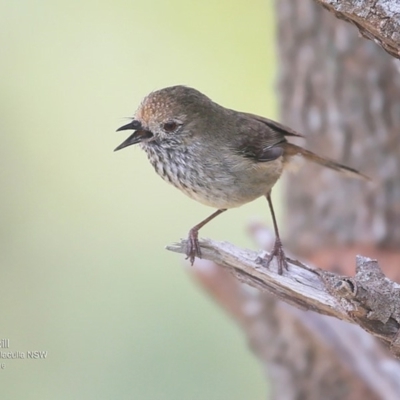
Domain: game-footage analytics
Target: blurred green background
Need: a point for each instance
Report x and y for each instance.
(84, 274)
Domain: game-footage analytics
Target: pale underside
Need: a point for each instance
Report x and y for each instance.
(216, 182)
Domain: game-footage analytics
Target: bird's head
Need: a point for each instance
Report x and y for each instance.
(167, 115)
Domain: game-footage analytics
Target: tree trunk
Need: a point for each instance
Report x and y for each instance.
(343, 93)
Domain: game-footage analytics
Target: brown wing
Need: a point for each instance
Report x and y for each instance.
(284, 130)
(260, 138)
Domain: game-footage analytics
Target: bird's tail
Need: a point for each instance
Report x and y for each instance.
(293, 150)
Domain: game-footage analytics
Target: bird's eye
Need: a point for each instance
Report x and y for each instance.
(170, 126)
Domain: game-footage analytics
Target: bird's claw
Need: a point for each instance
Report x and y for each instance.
(192, 246)
(277, 251)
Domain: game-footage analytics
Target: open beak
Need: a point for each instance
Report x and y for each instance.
(139, 135)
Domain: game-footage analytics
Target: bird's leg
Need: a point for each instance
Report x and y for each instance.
(277, 250)
(192, 246)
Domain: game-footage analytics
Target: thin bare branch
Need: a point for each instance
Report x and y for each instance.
(362, 299)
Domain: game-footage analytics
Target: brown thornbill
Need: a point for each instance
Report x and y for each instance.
(217, 156)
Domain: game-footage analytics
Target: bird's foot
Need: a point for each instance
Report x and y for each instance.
(277, 252)
(192, 246)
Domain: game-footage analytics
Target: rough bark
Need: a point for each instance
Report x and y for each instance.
(343, 93)
(378, 20)
(305, 355)
(368, 299)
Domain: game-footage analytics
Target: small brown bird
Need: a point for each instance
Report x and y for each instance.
(217, 156)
